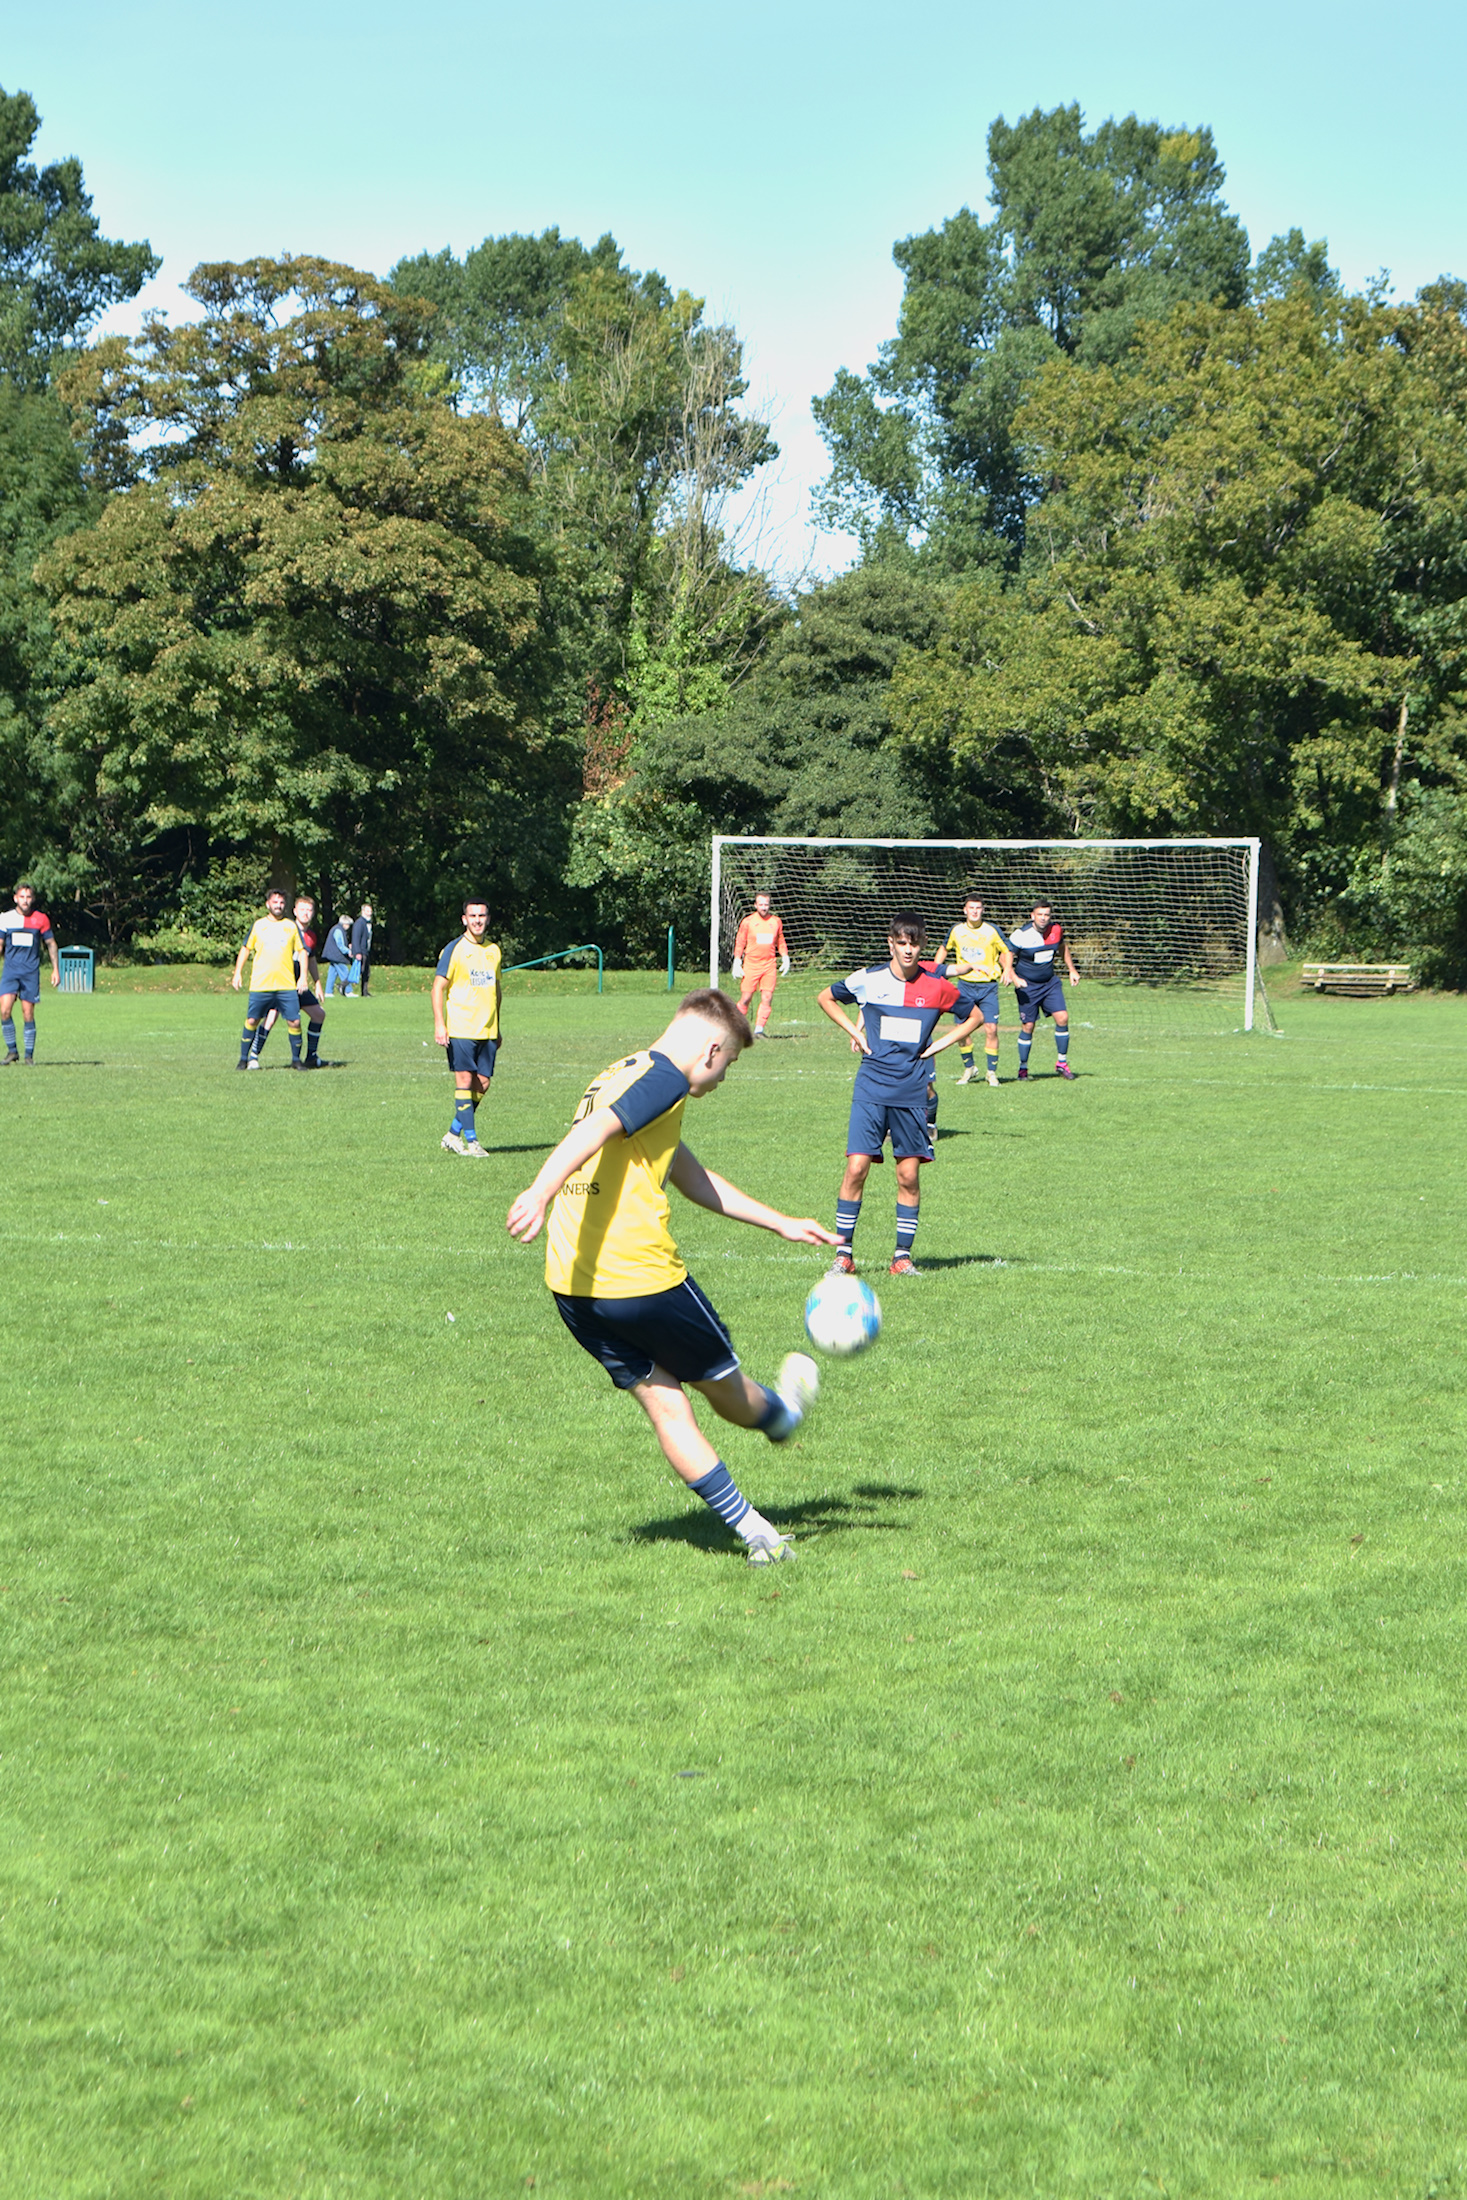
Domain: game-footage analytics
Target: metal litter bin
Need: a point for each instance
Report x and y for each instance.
(77, 967)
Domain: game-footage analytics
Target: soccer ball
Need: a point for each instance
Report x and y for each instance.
(842, 1316)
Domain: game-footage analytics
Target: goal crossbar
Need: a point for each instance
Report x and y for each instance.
(1188, 921)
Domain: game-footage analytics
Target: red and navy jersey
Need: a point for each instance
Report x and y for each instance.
(312, 942)
(899, 1019)
(1036, 952)
(24, 938)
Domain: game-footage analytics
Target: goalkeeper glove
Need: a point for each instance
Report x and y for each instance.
(784, 966)
(737, 967)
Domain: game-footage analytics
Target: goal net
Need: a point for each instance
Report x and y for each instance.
(1163, 932)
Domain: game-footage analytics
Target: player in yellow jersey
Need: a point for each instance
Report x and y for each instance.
(619, 1285)
(978, 960)
(275, 943)
(466, 991)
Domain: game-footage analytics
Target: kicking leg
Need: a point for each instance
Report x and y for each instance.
(690, 1455)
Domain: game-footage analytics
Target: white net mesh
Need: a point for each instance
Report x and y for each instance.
(1158, 930)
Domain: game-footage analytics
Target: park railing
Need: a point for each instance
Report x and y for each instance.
(588, 948)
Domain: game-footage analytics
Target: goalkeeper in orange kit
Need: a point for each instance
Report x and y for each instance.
(760, 959)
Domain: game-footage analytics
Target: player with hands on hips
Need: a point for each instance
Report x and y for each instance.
(901, 1004)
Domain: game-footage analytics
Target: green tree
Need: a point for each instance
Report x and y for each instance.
(629, 404)
(58, 273)
(1090, 237)
(303, 622)
(1246, 608)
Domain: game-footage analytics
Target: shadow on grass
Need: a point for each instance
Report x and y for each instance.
(968, 1260)
(518, 1149)
(868, 1507)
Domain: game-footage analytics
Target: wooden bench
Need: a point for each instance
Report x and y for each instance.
(1362, 979)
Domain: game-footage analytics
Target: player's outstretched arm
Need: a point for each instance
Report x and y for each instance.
(526, 1216)
(705, 1189)
(827, 1001)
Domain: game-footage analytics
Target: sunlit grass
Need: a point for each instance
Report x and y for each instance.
(405, 1790)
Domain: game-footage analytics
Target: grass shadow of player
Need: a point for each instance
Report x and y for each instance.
(518, 1149)
(972, 1260)
(866, 1508)
(943, 1132)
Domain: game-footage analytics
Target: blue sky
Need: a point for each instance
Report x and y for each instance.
(764, 157)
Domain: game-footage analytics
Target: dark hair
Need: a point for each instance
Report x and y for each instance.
(23, 886)
(972, 894)
(475, 901)
(906, 925)
(717, 1008)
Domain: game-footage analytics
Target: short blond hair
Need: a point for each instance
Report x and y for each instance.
(716, 1008)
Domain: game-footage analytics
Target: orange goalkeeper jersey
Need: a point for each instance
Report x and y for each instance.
(760, 940)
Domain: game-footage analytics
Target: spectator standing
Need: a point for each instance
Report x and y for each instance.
(361, 949)
(337, 955)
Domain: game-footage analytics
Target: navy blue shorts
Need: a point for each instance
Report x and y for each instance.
(873, 1121)
(982, 997)
(288, 1003)
(25, 986)
(676, 1330)
(472, 1055)
(1040, 1000)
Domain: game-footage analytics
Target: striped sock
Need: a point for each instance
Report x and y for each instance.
(847, 1215)
(1026, 1040)
(8, 1027)
(30, 1038)
(258, 1048)
(906, 1227)
(1062, 1043)
(313, 1042)
(719, 1491)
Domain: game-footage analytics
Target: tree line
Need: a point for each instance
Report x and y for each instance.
(396, 587)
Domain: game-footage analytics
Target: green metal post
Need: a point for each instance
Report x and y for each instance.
(671, 961)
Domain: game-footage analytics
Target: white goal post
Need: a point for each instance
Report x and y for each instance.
(1165, 931)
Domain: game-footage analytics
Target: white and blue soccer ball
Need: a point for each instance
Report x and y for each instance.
(842, 1316)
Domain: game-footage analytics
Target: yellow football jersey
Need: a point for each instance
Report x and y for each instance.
(471, 1006)
(609, 1236)
(979, 945)
(274, 943)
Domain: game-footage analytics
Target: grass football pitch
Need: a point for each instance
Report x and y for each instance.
(406, 1790)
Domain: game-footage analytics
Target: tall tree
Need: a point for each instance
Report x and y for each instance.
(630, 406)
(58, 273)
(1090, 236)
(1246, 607)
(304, 621)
